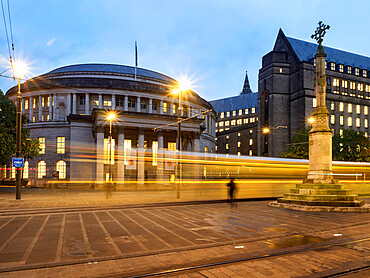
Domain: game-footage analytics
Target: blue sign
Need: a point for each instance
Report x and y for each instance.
(17, 162)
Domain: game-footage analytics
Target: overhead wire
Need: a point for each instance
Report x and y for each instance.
(11, 30)
(7, 35)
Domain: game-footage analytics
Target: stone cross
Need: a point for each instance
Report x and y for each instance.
(320, 32)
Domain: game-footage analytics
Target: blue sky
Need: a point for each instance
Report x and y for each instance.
(214, 42)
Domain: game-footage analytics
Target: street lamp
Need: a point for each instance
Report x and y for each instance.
(19, 69)
(183, 86)
(111, 116)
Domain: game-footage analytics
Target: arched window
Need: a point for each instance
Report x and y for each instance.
(41, 169)
(25, 170)
(61, 167)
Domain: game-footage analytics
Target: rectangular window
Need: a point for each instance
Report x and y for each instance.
(341, 68)
(341, 120)
(42, 145)
(48, 101)
(332, 66)
(245, 120)
(131, 103)
(349, 69)
(239, 144)
(253, 110)
(344, 84)
(143, 105)
(34, 103)
(360, 87)
(171, 146)
(314, 103)
(250, 142)
(358, 122)
(246, 111)
(227, 146)
(367, 88)
(341, 106)
(82, 100)
(250, 152)
(154, 106)
(332, 106)
(221, 123)
(155, 152)
(366, 123)
(95, 101)
(61, 145)
(33, 119)
(234, 113)
(352, 85)
(358, 109)
(42, 118)
(335, 82)
(109, 148)
(233, 122)
(222, 115)
(239, 122)
(119, 101)
(366, 110)
(357, 71)
(349, 121)
(174, 109)
(26, 104)
(107, 101)
(332, 119)
(48, 117)
(349, 107)
(227, 123)
(228, 114)
(164, 107)
(364, 73)
(240, 112)
(43, 102)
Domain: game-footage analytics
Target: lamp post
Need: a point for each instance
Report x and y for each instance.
(178, 142)
(111, 116)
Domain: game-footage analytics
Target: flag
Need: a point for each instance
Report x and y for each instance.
(169, 160)
(131, 159)
(135, 59)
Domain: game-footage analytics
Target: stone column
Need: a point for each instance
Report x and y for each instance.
(100, 156)
(160, 163)
(69, 105)
(23, 110)
(161, 107)
(87, 104)
(113, 102)
(140, 160)
(138, 106)
(55, 107)
(125, 104)
(100, 101)
(50, 107)
(172, 107)
(120, 157)
(195, 148)
(189, 111)
(74, 104)
(40, 108)
(31, 109)
(150, 106)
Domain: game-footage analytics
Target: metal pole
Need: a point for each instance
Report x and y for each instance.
(18, 188)
(110, 150)
(178, 184)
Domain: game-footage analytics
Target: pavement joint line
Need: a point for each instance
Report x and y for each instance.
(15, 234)
(314, 246)
(58, 254)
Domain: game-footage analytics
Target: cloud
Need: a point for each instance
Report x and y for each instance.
(50, 42)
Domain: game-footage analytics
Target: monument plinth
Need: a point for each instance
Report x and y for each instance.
(320, 191)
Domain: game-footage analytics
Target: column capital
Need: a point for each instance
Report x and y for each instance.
(100, 129)
(120, 129)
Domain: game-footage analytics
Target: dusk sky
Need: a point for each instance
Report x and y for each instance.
(213, 42)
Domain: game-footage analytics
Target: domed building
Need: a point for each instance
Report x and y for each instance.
(68, 112)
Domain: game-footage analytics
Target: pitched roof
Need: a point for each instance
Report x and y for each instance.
(112, 69)
(235, 103)
(306, 51)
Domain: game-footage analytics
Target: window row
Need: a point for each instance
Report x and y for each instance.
(60, 167)
(350, 107)
(236, 122)
(60, 148)
(349, 121)
(345, 69)
(236, 112)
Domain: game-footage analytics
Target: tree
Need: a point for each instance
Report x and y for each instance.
(299, 146)
(350, 146)
(30, 147)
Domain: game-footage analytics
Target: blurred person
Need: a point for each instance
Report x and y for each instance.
(231, 192)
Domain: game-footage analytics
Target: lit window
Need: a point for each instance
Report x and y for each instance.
(228, 114)
(349, 69)
(234, 113)
(107, 101)
(253, 110)
(332, 66)
(227, 137)
(95, 101)
(42, 145)
(250, 131)
(352, 85)
(171, 146)
(336, 92)
(360, 87)
(43, 102)
(332, 119)
(250, 152)
(34, 103)
(155, 152)
(240, 112)
(358, 109)
(250, 142)
(239, 144)
(206, 149)
(164, 107)
(227, 123)
(216, 124)
(41, 169)
(238, 153)
(174, 109)
(349, 121)
(349, 107)
(366, 123)
(239, 122)
(344, 84)
(48, 101)
(341, 68)
(26, 170)
(314, 103)
(221, 123)
(341, 132)
(233, 122)
(341, 120)
(364, 73)
(48, 117)
(13, 172)
(335, 82)
(341, 106)
(216, 148)
(365, 133)
(227, 146)
(252, 120)
(26, 104)
(246, 111)
(358, 122)
(239, 134)
(357, 71)
(220, 130)
(222, 115)
(109, 151)
(245, 120)
(367, 88)
(61, 145)
(33, 119)
(42, 118)
(61, 167)
(332, 105)
(366, 110)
